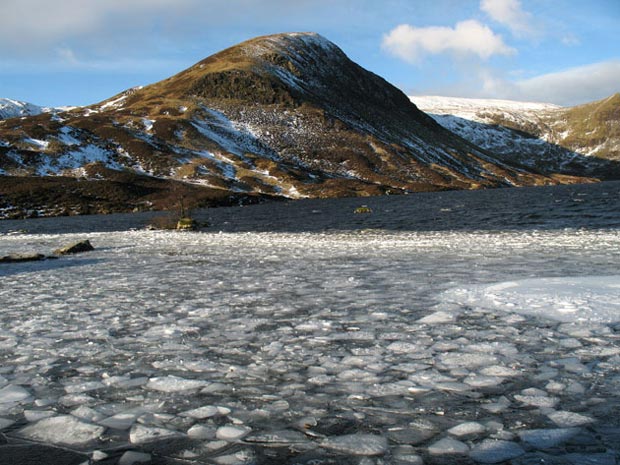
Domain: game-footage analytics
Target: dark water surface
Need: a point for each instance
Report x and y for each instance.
(547, 208)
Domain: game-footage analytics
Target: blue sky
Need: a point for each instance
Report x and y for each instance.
(77, 52)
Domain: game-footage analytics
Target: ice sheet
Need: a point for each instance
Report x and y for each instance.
(224, 344)
(583, 299)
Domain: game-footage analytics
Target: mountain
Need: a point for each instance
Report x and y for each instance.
(14, 108)
(287, 115)
(580, 140)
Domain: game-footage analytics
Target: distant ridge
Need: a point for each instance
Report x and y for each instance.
(15, 108)
(583, 140)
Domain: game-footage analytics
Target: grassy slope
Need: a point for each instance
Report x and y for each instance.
(595, 124)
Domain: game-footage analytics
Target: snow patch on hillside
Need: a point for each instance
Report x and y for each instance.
(65, 136)
(148, 124)
(482, 111)
(222, 162)
(76, 159)
(233, 137)
(115, 103)
(292, 43)
(36, 143)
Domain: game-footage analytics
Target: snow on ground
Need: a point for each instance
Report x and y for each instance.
(148, 124)
(232, 137)
(317, 344)
(476, 119)
(37, 143)
(77, 158)
(457, 105)
(65, 136)
(114, 103)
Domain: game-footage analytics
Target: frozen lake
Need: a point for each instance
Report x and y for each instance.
(334, 338)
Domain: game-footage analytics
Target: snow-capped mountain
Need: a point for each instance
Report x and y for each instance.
(581, 140)
(15, 108)
(285, 115)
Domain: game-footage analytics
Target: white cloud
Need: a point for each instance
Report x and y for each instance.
(466, 38)
(570, 40)
(510, 14)
(575, 85)
(34, 23)
(569, 87)
(67, 55)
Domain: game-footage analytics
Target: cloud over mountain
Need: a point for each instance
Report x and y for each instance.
(468, 37)
(511, 14)
(573, 85)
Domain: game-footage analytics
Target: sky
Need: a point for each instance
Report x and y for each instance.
(79, 52)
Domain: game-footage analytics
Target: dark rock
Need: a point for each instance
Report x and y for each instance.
(78, 247)
(28, 257)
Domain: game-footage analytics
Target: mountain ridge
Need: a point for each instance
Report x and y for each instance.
(10, 108)
(579, 140)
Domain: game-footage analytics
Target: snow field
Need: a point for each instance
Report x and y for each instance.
(401, 346)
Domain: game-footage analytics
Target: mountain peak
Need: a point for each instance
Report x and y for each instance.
(299, 40)
(272, 53)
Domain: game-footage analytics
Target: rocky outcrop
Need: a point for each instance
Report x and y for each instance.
(77, 247)
(25, 257)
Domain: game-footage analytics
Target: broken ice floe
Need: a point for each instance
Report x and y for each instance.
(357, 444)
(467, 429)
(63, 430)
(448, 446)
(132, 457)
(231, 433)
(174, 384)
(547, 438)
(565, 419)
(12, 393)
(140, 434)
(495, 451)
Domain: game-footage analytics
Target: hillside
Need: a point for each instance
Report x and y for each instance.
(581, 140)
(288, 115)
